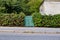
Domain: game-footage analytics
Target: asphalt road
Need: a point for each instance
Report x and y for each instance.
(17, 36)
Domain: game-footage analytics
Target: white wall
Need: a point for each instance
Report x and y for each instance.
(50, 8)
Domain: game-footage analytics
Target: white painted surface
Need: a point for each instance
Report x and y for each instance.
(50, 8)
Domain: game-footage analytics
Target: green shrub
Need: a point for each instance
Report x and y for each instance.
(2, 9)
(46, 20)
(51, 21)
(12, 19)
(37, 18)
(26, 6)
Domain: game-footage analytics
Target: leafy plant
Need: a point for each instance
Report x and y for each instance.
(37, 18)
(26, 6)
(12, 19)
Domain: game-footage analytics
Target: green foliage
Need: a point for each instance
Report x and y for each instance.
(26, 6)
(51, 21)
(12, 19)
(46, 21)
(34, 5)
(2, 9)
(37, 18)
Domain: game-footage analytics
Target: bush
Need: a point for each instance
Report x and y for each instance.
(12, 19)
(26, 6)
(37, 18)
(46, 21)
(51, 21)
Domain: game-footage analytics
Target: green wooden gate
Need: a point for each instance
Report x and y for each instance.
(29, 21)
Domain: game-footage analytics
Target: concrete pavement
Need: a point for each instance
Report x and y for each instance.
(30, 30)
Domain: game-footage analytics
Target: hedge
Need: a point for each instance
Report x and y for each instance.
(37, 18)
(46, 20)
(12, 19)
(51, 21)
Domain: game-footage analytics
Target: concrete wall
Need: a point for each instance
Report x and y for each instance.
(50, 8)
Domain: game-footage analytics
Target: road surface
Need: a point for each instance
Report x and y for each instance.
(18, 36)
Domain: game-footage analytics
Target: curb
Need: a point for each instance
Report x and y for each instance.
(30, 30)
